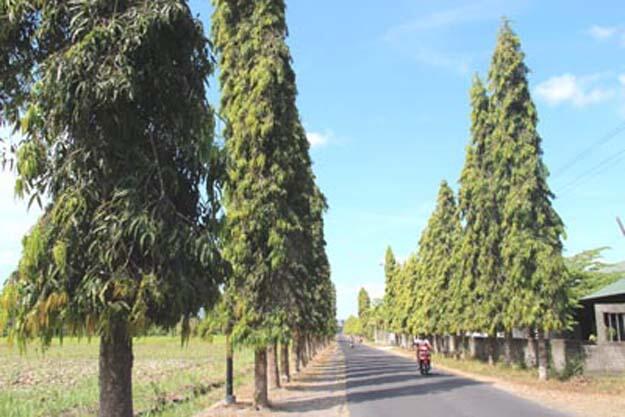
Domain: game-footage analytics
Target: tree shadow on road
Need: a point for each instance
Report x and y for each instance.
(376, 392)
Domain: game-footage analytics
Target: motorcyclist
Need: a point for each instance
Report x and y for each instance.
(422, 346)
(421, 343)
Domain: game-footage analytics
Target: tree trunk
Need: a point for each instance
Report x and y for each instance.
(507, 348)
(542, 356)
(230, 398)
(261, 399)
(462, 348)
(296, 353)
(303, 351)
(491, 342)
(116, 372)
(272, 364)
(453, 345)
(284, 361)
(311, 348)
(531, 348)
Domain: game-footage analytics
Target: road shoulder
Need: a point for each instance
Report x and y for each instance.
(317, 391)
(575, 403)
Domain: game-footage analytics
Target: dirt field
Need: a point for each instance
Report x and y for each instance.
(168, 380)
(319, 391)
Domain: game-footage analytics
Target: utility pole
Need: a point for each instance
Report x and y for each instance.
(620, 225)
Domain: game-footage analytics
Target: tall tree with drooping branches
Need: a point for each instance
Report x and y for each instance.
(110, 98)
(270, 182)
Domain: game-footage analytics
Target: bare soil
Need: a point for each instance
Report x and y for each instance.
(317, 391)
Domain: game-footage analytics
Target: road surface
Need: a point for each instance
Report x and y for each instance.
(382, 384)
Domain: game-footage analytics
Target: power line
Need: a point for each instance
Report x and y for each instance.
(587, 151)
(597, 169)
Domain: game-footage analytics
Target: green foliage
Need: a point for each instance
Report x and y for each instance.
(392, 289)
(110, 99)
(364, 303)
(274, 242)
(476, 254)
(535, 282)
(353, 326)
(589, 273)
(216, 322)
(434, 274)
(494, 262)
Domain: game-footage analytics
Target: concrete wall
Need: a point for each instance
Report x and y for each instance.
(601, 358)
(609, 357)
(479, 348)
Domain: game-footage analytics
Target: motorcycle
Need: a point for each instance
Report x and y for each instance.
(425, 361)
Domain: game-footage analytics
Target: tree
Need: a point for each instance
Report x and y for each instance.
(535, 283)
(352, 326)
(589, 273)
(407, 279)
(392, 272)
(111, 101)
(270, 183)
(364, 303)
(430, 311)
(375, 318)
(313, 311)
(473, 301)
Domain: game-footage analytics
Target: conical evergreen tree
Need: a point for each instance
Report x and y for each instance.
(436, 267)
(392, 285)
(314, 304)
(408, 280)
(472, 304)
(536, 282)
(270, 183)
(364, 303)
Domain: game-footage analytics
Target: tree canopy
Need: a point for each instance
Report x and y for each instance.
(117, 138)
(493, 262)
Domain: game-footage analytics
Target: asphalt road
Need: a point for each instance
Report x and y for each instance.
(382, 384)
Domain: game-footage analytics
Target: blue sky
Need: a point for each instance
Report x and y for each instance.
(383, 94)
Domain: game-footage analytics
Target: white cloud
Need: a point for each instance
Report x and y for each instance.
(579, 91)
(621, 79)
(471, 12)
(420, 37)
(603, 32)
(451, 61)
(318, 139)
(606, 33)
(439, 19)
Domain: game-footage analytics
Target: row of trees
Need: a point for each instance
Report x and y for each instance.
(147, 218)
(490, 259)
